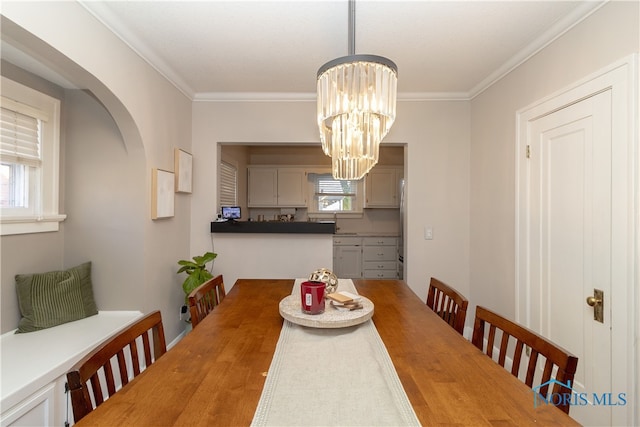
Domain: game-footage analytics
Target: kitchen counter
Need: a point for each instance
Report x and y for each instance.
(273, 227)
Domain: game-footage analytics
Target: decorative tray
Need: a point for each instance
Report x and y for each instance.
(333, 317)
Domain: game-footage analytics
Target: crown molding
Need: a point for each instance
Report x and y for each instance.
(103, 14)
(559, 28)
(312, 96)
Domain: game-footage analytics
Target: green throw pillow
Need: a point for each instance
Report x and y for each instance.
(56, 297)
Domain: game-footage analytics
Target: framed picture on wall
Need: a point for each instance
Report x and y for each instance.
(183, 167)
(162, 193)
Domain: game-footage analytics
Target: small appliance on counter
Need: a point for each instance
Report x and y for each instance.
(231, 213)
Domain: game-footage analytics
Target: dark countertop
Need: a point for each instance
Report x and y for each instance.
(273, 227)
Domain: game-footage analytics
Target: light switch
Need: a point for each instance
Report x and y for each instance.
(428, 233)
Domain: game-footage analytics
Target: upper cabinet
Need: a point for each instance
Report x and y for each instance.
(277, 187)
(382, 187)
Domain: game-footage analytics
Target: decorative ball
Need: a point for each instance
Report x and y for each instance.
(327, 277)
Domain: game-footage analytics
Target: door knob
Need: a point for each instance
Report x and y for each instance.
(596, 301)
(592, 301)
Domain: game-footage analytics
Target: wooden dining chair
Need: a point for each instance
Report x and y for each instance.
(94, 375)
(556, 358)
(448, 304)
(204, 298)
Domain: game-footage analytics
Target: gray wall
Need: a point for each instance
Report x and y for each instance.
(103, 203)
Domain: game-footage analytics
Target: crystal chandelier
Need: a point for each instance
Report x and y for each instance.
(356, 107)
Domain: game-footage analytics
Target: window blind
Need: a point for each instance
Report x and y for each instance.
(19, 138)
(327, 185)
(228, 184)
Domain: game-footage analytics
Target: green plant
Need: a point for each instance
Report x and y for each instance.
(196, 270)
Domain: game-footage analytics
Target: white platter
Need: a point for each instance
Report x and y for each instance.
(291, 310)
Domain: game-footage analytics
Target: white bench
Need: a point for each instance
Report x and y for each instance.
(34, 366)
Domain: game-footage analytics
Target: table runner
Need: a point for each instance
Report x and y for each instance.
(332, 377)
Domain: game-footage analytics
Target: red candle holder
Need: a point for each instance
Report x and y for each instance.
(312, 297)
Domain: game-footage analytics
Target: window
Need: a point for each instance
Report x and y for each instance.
(335, 196)
(29, 160)
(228, 188)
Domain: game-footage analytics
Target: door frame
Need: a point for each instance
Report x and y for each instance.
(619, 77)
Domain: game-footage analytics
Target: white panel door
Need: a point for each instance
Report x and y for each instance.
(570, 226)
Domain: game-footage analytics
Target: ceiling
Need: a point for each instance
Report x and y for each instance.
(272, 49)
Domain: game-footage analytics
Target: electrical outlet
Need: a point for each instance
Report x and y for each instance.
(183, 312)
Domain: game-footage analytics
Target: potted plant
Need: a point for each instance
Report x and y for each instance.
(197, 272)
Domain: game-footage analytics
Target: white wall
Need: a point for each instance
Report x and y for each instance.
(437, 163)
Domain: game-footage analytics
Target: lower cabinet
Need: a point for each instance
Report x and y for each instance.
(365, 257)
(380, 257)
(347, 257)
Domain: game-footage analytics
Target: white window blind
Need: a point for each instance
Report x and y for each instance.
(327, 185)
(333, 195)
(19, 138)
(228, 188)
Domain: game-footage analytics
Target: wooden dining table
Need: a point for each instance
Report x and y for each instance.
(216, 373)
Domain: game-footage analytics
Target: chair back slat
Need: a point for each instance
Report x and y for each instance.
(97, 388)
(557, 359)
(134, 355)
(504, 346)
(517, 358)
(531, 367)
(492, 337)
(122, 370)
(205, 298)
(87, 373)
(448, 304)
(147, 349)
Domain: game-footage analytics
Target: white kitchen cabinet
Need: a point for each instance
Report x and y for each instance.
(347, 257)
(380, 257)
(382, 185)
(263, 187)
(292, 187)
(276, 187)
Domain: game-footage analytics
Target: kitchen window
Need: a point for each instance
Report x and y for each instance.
(333, 196)
(29, 160)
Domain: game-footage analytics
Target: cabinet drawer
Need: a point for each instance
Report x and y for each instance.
(380, 253)
(380, 274)
(380, 241)
(347, 241)
(380, 265)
